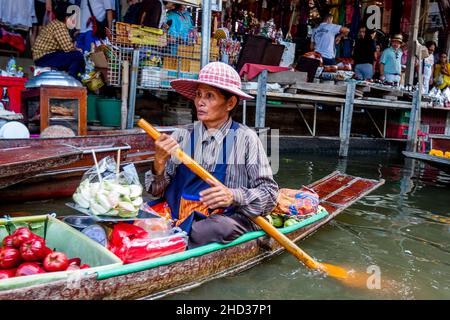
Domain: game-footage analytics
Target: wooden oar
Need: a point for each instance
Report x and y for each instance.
(350, 278)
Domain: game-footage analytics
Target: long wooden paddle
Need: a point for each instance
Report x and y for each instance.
(350, 278)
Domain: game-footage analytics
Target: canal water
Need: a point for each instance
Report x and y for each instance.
(402, 229)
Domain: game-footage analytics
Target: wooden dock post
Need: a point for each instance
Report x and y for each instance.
(133, 88)
(261, 97)
(346, 120)
(414, 122)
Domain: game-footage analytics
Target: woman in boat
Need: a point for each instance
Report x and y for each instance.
(231, 151)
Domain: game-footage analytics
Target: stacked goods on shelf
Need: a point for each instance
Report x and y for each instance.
(435, 120)
(397, 127)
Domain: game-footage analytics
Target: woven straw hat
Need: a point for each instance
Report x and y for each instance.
(215, 74)
(397, 37)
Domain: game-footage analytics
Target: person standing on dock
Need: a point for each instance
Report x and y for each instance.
(391, 62)
(442, 72)
(428, 67)
(324, 39)
(364, 54)
(231, 151)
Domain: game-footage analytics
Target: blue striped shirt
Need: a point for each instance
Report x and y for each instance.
(249, 175)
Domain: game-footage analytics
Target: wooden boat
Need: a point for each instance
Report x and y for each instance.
(20, 163)
(170, 274)
(61, 181)
(436, 162)
(440, 142)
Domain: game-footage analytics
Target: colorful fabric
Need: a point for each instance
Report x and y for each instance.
(441, 80)
(182, 194)
(297, 202)
(356, 19)
(181, 25)
(249, 175)
(215, 74)
(53, 37)
(13, 39)
(252, 70)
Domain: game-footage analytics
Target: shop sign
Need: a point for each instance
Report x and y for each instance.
(374, 17)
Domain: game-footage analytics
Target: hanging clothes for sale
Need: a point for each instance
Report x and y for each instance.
(356, 19)
(335, 10)
(405, 21)
(17, 13)
(342, 13)
(13, 39)
(349, 9)
(304, 12)
(386, 19)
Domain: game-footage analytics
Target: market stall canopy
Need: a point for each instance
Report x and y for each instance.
(192, 3)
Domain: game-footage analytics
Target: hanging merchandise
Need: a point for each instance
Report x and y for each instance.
(405, 21)
(335, 10)
(355, 20)
(17, 13)
(13, 39)
(349, 10)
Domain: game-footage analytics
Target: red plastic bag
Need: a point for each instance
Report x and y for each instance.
(126, 230)
(132, 243)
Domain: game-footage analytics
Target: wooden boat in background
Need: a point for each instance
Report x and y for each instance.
(437, 142)
(159, 277)
(440, 142)
(440, 163)
(20, 163)
(61, 181)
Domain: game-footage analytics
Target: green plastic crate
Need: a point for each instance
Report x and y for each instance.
(64, 238)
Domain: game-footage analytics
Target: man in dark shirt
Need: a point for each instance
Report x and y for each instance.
(153, 13)
(364, 54)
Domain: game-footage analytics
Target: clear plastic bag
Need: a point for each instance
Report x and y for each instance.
(132, 243)
(104, 192)
(155, 227)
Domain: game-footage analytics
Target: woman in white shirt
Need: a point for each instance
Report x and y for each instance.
(428, 67)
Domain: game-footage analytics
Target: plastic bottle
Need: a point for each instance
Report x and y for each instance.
(19, 72)
(13, 70)
(5, 98)
(11, 66)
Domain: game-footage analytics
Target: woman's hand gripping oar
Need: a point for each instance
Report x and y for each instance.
(350, 278)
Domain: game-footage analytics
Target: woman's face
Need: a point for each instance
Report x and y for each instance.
(443, 58)
(431, 49)
(211, 105)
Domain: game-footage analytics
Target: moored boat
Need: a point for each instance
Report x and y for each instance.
(170, 274)
(20, 163)
(436, 162)
(62, 181)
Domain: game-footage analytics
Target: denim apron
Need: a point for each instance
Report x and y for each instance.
(182, 194)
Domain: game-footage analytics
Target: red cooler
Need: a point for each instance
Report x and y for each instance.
(14, 86)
